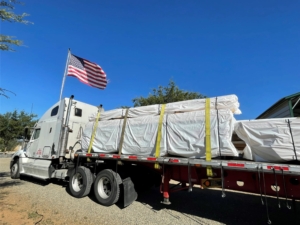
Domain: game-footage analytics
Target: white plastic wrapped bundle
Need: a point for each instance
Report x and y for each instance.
(107, 136)
(183, 134)
(151, 110)
(111, 114)
(186, 134)
(223, 102)
(270, 139)
(140, 136)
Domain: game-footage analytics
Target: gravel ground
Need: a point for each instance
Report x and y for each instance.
(52, 200)
(6, 155)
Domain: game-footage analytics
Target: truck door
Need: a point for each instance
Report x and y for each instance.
(32, 151)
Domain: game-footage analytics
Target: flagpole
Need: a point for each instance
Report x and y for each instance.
(65, 74)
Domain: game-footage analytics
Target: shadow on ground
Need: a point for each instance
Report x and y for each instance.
(34, 180)
(6, 181)
(9, 183)
(235, 208)
(4, 174)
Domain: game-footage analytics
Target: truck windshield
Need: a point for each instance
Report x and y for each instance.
(36, 134)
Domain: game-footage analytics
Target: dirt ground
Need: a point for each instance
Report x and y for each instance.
(17, 208)
(13, 211)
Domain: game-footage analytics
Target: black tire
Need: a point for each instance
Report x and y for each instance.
(107, 187)
(80, 183)
(15, 170)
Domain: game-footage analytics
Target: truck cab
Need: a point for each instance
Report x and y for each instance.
(56, 131)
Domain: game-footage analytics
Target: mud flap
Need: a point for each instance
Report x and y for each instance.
(130, 194)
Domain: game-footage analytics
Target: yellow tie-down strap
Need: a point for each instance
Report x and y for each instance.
(158, 138)
(94, 130)
(207, 137)
(122, 135)
(123, 131)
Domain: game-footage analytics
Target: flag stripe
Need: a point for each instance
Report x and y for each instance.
(96, 69)
(92, 64)
(84, 73)
(87, 72)
(84, 81)
(84, 77)
(89, 82)
(96, 73)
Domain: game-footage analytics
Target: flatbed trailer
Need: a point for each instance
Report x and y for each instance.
(109, 175)
(253, 177)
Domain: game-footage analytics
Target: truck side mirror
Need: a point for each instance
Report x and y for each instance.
(26, 133)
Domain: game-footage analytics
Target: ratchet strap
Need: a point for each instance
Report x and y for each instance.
(158, 138)
(122, 136)
(207, 137)
(123, 131)
(94, 129)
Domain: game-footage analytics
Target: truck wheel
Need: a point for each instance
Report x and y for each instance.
(15, 170)
(80, 183)
(107, 188)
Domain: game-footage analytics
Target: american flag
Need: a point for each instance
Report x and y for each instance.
(87, 72)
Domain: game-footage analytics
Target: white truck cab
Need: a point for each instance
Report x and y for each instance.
(58, 129)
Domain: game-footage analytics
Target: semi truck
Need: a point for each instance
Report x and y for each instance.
(54, 150)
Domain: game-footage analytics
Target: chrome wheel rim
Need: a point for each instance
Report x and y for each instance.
(104, 187)
(77, 182)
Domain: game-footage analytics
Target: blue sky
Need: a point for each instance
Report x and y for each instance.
(247, 48)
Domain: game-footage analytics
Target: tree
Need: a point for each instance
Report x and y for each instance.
(163, 95)
(3, 92)
(7, 14)
(12, 126)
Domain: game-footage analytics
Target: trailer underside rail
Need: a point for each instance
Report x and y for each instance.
(266, 179)
(226, 164)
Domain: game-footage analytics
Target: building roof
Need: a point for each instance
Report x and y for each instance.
(284, 99)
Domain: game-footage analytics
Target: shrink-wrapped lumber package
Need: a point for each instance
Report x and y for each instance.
(182, 133)
(186, 134)
(271, 140)
(223, 102)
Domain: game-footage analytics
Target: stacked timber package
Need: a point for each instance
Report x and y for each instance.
(270, 140)
(182, 128)
(184, 131)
